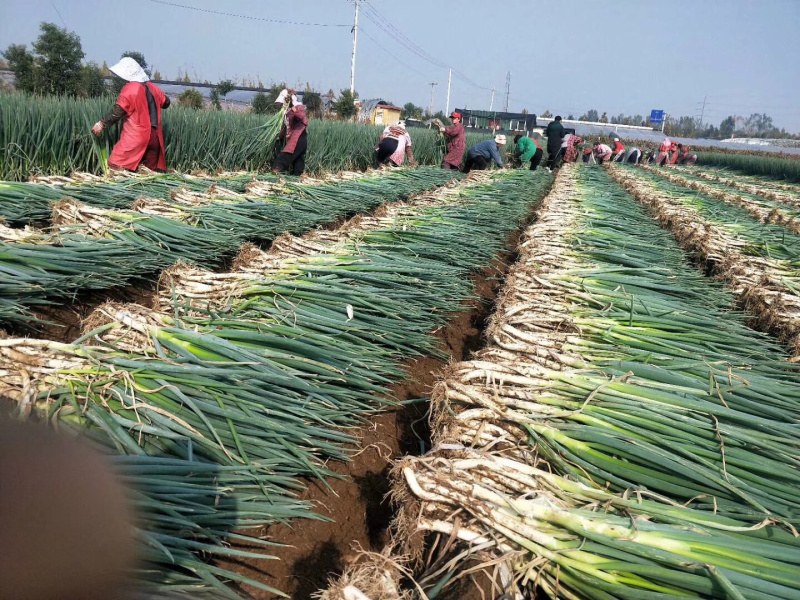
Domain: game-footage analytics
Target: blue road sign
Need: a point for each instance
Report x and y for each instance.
(656, 117)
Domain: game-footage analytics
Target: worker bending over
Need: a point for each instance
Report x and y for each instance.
(618, 151)
(292, 158)
(394, 146)
(663, 152)
(571, 153)
(602, 152)
(528, 150)
(139, 107)
(479, 155)
(456, 143)
(685, 157)
(634, 156)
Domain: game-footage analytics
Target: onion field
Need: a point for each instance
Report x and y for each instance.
(50, 136)
(626, 431)
(629, 427)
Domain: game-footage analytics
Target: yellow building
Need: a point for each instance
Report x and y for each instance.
(378, 112)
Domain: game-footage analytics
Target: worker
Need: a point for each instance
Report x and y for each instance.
(394, 146)
(292, 158)
(618, 151)
(456, 143)
(674, 151)
(139, 107)
(685, 157)
(555, 135)
(571, 153)
(633, 156)
(602, 152)
(479, 155)
(663, 153)
(528, 150)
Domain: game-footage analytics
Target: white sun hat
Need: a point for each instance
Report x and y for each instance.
(129, 70)
(500, 139)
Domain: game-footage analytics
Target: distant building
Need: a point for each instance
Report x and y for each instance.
(497, 121)
(378, 112)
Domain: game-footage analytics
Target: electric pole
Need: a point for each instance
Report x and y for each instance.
(430, 110)
(353, 60)
(703, 111)
(491, 104)
(508, 88)
(449, 81)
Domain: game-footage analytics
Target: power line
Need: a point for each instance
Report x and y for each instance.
(374, 41)
(226, 14)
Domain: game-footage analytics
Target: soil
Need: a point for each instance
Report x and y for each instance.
(64, 323)
(361, 514)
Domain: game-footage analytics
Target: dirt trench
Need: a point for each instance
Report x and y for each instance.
(357, 504)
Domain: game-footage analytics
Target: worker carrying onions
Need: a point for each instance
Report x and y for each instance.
(292, 158)
(139, 108)
(528, 151)
(394, 146)
(456, 143)
(479, 155)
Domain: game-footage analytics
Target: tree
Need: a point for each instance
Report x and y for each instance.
(157, 75)
(442, 117)
(260, 104)
(220, 91)
(24, 66)
(345, 106)
(191, 99)
(547, 115)
(59, 56)
(93, 83)
(604, 118)
(313, 103)
(727, 127)
(593, 115)
(411, 111)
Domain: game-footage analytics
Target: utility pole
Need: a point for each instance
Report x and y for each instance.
(449, 81)
(508, 88)
(491, 104)
(353, 60)
(430, 110)
(703, 111)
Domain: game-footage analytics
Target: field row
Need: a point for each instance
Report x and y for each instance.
(217, 404)
(625, 433)
(92, 248)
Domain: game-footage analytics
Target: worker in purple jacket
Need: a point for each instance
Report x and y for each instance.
(456, 143)
(292, 158)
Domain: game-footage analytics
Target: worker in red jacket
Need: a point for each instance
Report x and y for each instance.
(618, 151)
(456, 143)
(292, 158)
(139, 108)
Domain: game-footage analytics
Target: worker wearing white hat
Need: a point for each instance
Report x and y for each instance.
(479, 155)
(139, 107)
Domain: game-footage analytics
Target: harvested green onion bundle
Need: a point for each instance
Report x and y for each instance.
(624, 434)
(275, 392)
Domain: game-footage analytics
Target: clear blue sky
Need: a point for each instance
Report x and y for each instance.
(564, 55)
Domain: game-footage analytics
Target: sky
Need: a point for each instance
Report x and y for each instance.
(566, 56)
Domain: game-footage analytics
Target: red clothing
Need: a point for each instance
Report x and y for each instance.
(136, 128)
(618, 147)
(294, 125)
(456, 144)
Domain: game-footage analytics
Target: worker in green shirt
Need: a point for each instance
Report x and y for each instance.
(528, 150)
